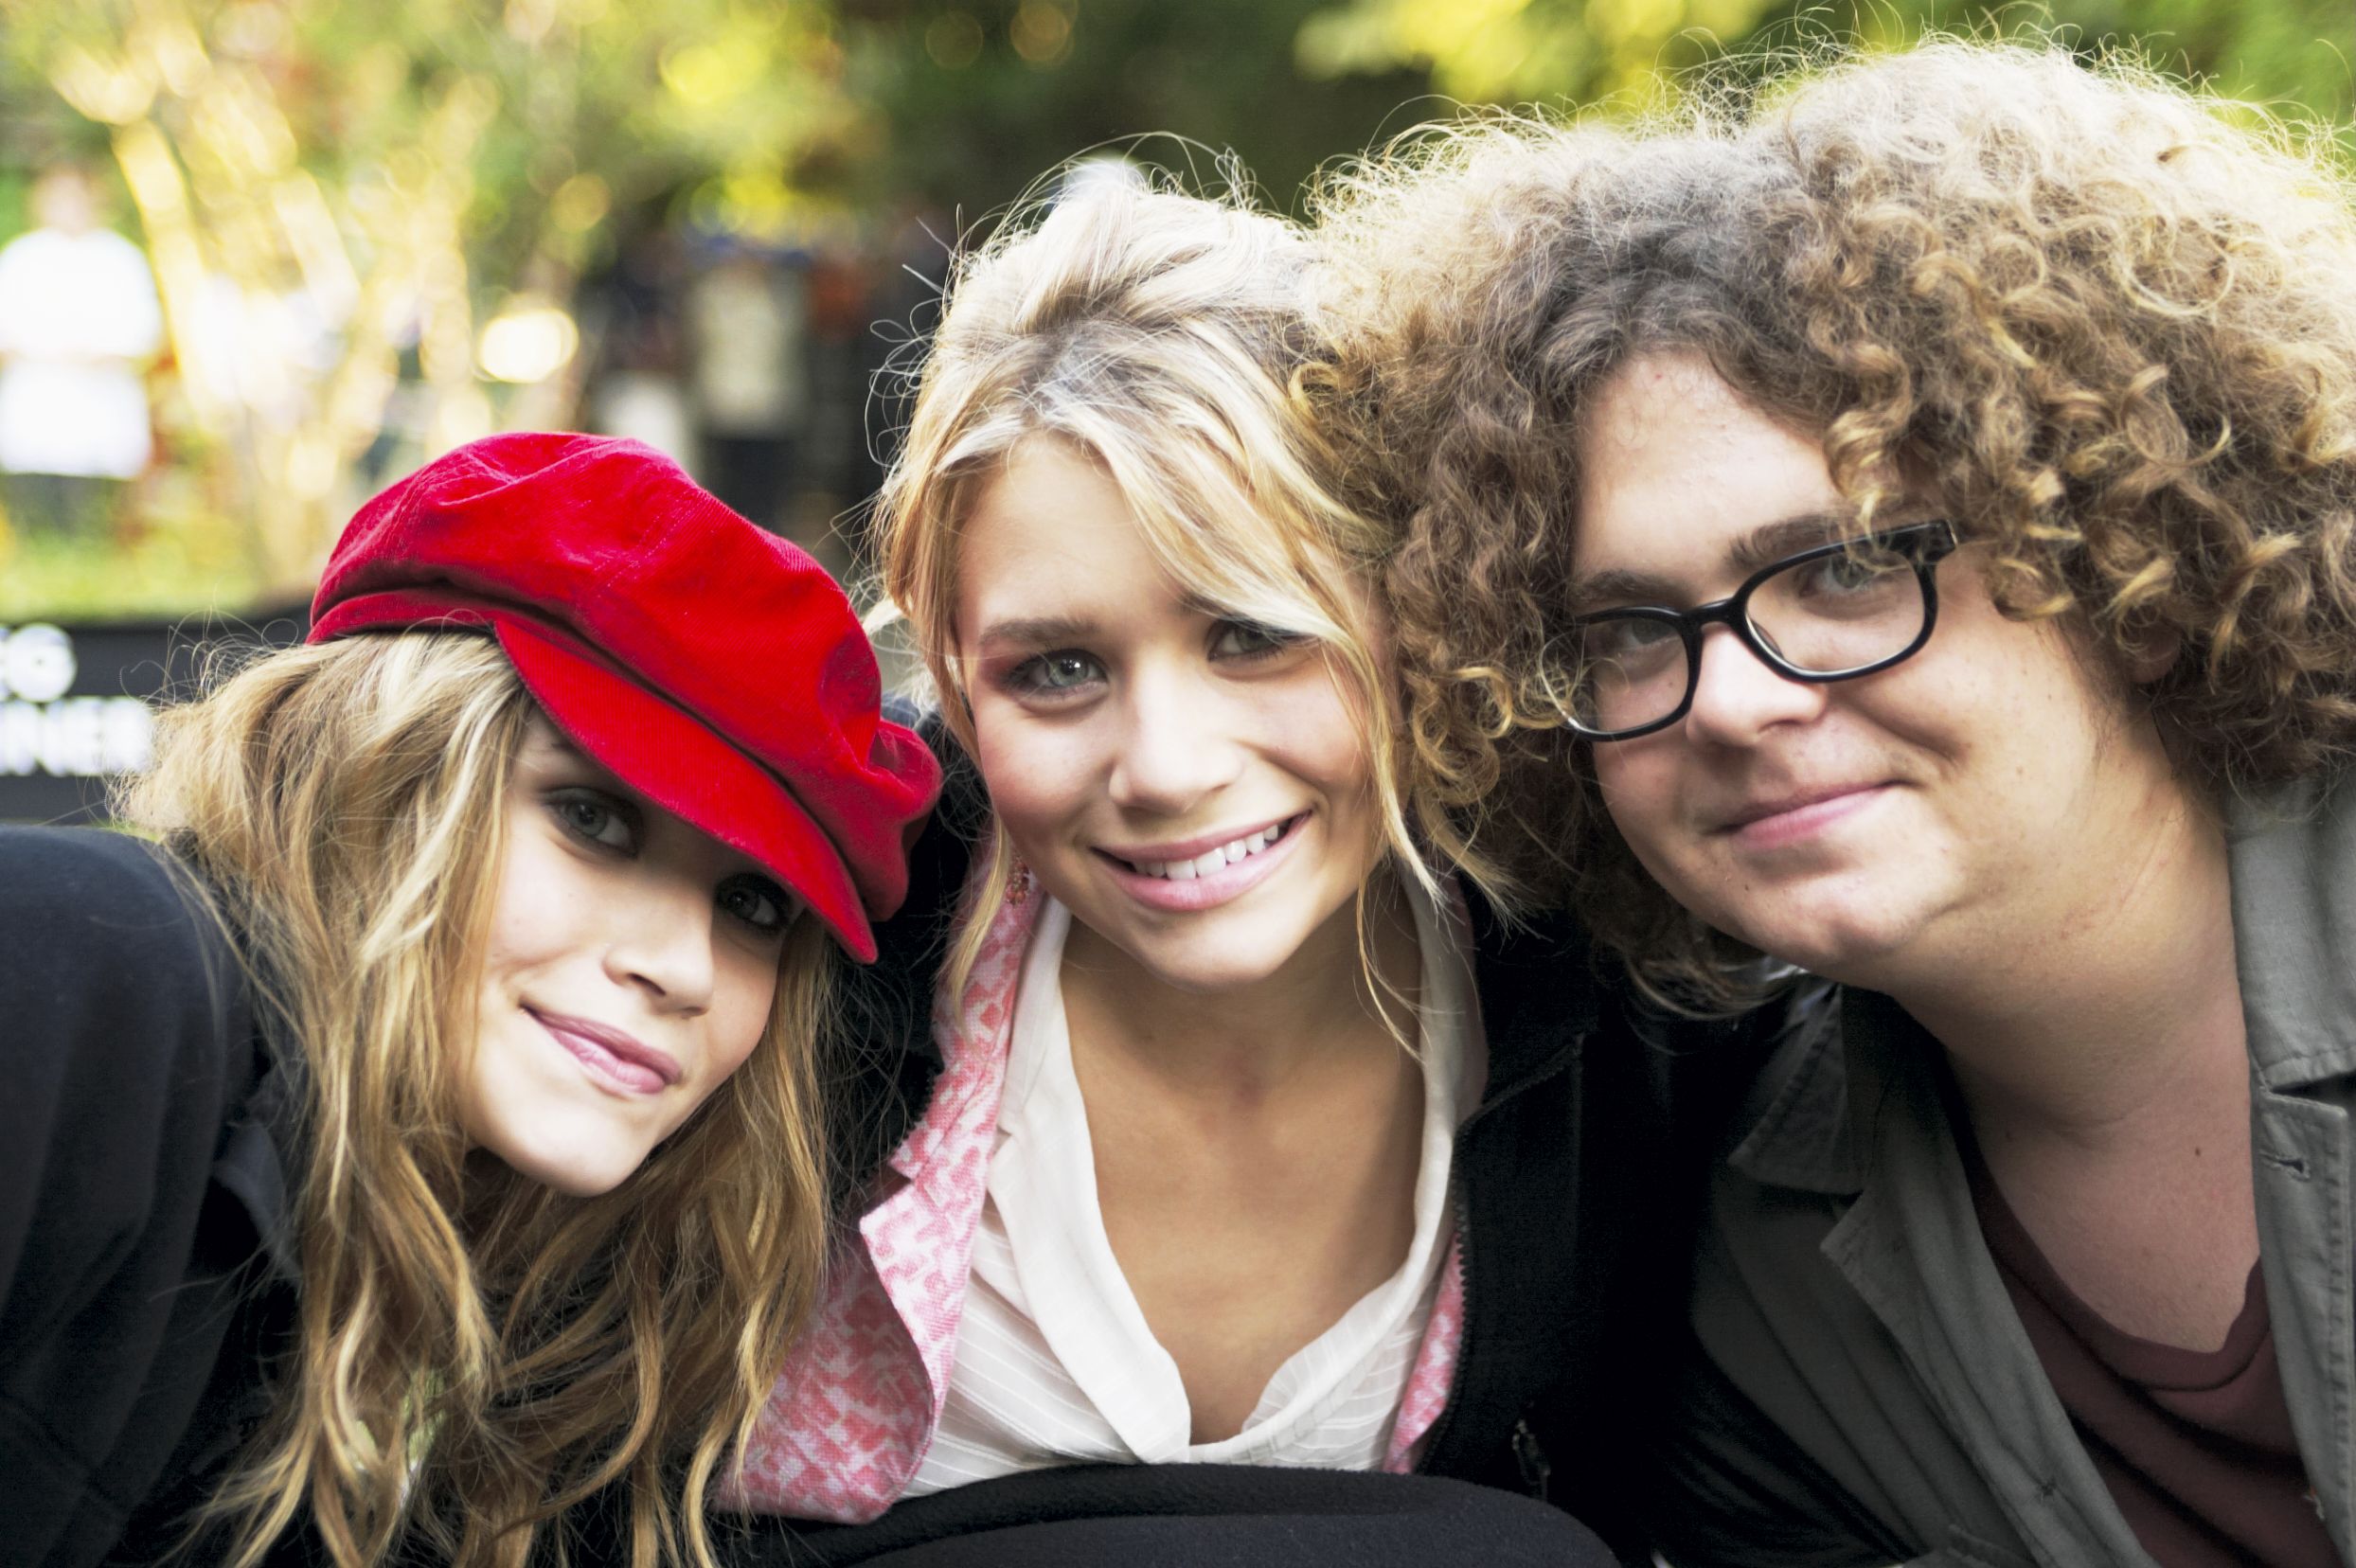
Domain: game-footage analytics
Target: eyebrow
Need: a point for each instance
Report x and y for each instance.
(1762, 546)
(572, 751)
(1035, 631)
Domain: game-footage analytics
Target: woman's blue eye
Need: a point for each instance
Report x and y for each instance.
(1244, 639)
(1064, 669)
(587, 815)
(757, 901)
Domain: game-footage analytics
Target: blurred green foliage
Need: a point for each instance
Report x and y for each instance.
(467, 153)
(2295, 55)
(966, 122)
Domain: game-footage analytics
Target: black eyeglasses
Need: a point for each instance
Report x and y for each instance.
(1828, 613)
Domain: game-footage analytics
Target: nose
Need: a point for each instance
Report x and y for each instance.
(1738, 696)
(1178, 744)
(661, 942)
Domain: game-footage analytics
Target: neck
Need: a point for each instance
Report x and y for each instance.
(2116, 1012)
(1320, 1002)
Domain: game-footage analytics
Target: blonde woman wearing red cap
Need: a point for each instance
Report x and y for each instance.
(422, 1134)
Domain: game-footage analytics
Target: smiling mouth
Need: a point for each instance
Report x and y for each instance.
(1776, 824)
(609, 1055)
(1217, 858)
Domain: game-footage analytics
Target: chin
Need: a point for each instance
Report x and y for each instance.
(1838, 939)
(571, 1171)
(1209, 974)
(1208, 967)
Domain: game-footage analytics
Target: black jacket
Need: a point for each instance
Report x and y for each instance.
(1579, 1179)
(141, 1189)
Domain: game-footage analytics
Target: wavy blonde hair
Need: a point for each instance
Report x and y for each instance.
(475, 1352)
(2105, 324)
(1157, 333)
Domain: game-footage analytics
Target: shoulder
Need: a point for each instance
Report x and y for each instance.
(84, 895)
(130, 1032)
(55, 872)
(113, 968)
(1536, 972)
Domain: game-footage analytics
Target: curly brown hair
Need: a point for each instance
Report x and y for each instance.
(2105, 324)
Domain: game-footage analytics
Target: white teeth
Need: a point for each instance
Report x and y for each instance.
(1213, 859)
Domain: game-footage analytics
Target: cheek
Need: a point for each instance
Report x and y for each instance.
(1324, 743)
(534, 906)
(1637, 782)
(1040, 775)
(745, 989)
(1308, 726)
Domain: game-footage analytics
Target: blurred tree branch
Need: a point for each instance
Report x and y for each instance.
(324, 187)
(2295, 56)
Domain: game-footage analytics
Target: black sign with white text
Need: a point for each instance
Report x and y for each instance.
(77, 701)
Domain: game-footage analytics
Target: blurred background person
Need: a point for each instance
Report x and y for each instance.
(748, 320)
(79, 321)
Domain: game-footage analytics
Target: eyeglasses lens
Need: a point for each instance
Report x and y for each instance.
(1827, 616)
(1839, 612)
(1630, 672)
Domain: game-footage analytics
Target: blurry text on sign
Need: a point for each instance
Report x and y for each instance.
(43, 730)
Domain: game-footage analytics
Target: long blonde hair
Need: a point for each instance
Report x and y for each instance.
(475, 1353)
(1158, 335)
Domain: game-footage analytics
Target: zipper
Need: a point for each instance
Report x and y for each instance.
(1551, 1069)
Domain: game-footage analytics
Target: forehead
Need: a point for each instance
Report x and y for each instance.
(1676, 468)
(1051, 532)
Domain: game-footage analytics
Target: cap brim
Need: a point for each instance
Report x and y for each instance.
(676, 761)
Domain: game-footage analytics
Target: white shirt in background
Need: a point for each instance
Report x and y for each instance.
(78, 315)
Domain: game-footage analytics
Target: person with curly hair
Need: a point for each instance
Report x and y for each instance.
(1906, 531)
(420, 1131)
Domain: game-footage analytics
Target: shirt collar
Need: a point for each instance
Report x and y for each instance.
(2293, 856)
(1802, 1117)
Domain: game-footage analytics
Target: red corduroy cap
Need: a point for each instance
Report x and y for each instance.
(712, 665)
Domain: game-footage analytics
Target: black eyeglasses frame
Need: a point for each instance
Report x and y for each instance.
(1925, 543)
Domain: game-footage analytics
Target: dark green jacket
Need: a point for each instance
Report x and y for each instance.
(1862, 1391)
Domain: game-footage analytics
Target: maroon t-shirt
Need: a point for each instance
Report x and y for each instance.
(2195, 1445)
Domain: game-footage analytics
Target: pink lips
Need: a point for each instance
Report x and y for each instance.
(1203, 892)
(1774, 824)
(611, 1058)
